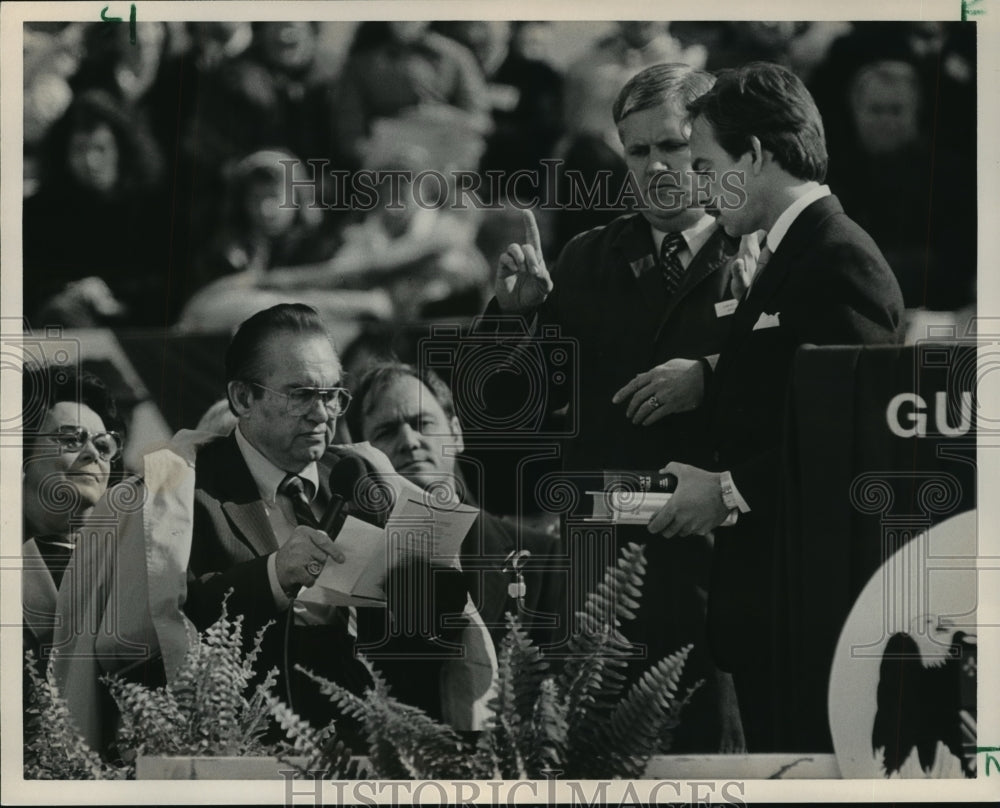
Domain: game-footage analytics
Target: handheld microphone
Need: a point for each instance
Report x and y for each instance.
(343, 480)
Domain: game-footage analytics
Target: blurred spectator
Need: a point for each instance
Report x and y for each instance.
(421, 253)
(593, 82)
(525, 92)
(264, 233)
(944, 55)
(261, 229)
(97, 233)
(51, 56)
(915, 198)
(736, 43)
(72, 448)
(275, 95)
(402, 68)
(113, 63)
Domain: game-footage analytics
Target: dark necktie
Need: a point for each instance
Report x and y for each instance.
(294, 487)
(670, 261)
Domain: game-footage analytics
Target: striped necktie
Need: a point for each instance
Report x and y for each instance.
(670, 261)
(294, 487)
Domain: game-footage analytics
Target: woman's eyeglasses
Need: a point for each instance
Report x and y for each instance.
(108, 445)
(303, 399)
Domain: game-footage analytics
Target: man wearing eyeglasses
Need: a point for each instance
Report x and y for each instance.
(259, 496)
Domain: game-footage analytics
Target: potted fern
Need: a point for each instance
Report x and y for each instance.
(579, 721)
(209, 723)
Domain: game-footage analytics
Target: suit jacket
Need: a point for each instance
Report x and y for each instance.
(484, 551)
(826, 284)
(232, 538)
(609, 300)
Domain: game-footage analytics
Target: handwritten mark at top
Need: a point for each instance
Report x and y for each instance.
(131, 21)
(969, 10)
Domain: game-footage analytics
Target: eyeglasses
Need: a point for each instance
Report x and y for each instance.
(303, 399)
(108, 445)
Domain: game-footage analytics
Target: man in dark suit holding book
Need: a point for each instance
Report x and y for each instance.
(758, 139)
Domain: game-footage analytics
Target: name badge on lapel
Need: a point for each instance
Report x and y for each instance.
(767, 321)
(726, 307)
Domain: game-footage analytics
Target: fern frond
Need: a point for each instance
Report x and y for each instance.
(651, 706)
(53, 748)
(403, 741)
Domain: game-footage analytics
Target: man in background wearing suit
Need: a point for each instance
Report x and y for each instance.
(632, 294)
(820, 279)
(409, 414)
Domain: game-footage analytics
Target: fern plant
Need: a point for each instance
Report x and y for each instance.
(53, 748)
(205, 709)
(579, 721)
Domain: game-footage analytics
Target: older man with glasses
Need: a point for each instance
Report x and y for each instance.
(235, 519)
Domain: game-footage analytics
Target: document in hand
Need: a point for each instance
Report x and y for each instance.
(418, 526)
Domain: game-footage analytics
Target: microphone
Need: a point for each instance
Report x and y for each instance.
(343, 480)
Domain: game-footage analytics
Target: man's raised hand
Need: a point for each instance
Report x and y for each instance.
(522, 280)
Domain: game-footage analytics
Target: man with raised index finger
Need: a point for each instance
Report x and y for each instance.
(648, 287)
(820, 280)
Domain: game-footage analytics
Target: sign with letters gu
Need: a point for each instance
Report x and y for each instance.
(880, 446)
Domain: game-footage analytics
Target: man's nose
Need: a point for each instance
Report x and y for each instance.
(656, 166)
(318, 412)
(410, 437)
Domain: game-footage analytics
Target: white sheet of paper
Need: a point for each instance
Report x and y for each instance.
(363, 546)
(418, 527)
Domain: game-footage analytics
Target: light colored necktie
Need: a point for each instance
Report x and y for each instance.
(763, 258)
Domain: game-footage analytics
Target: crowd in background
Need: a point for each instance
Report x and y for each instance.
(155, 193)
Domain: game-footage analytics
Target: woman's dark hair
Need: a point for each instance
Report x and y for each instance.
(42, 386)
(140, 163)
(771, 103)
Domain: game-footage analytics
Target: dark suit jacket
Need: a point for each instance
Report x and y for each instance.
(609, 299)
(828, 284)
(232, 539)
(484, 551)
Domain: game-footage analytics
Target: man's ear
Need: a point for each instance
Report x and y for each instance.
(240, 395)
(456, 431)
(756, 153)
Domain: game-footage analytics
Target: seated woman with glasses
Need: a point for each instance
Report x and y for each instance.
(72, 450)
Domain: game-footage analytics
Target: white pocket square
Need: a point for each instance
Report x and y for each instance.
(767, 321)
